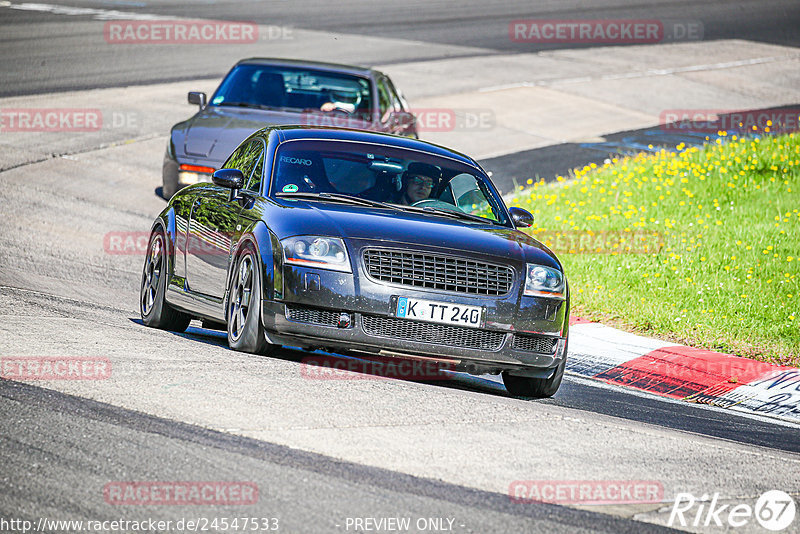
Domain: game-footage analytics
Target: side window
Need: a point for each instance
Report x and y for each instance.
(384, 100)
(255, 180)
(398, 101)
(235, 159)
(246, 158)
(469, 196)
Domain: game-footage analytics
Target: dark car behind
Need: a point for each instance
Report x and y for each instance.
(261, 92)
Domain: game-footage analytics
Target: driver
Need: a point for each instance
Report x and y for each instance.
(418, 181)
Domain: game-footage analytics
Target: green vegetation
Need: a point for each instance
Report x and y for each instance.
(700, 246)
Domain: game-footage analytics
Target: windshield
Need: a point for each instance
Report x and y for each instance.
(295, 89)
(406, 179)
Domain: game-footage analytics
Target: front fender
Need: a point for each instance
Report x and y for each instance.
(166, 221)
(269, 255)
(567, 304)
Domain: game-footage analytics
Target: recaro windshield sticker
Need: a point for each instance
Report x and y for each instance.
(296, 161)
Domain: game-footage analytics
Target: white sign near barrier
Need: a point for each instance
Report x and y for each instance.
(777, 394)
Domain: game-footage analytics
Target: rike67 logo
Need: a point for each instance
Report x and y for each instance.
(774, 510)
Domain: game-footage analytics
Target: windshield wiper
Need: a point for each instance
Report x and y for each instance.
(245, 105)
(337, 197)
(450, 213)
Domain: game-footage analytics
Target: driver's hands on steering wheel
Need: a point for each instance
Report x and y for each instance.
(336, 106)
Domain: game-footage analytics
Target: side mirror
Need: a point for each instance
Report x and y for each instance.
(197, 98)
(520, 217)
(229, 178)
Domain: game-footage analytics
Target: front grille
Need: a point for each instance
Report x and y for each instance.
(303, 314)
(453, 336)
(434, 271)
(540, 344)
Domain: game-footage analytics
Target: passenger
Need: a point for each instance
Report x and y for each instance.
(417, 182)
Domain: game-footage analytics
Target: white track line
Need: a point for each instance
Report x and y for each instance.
(643, 74)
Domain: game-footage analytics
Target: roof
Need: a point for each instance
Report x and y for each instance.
(320, 65)
(288, 133)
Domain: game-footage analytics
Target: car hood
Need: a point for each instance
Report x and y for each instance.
(216, 131)
(396, 228)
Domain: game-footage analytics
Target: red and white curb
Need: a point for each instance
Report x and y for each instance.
(695, 375)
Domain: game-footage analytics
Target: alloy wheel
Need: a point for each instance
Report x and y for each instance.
(152, 274)
(239, 308)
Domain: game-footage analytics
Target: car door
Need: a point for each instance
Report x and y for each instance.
(213, 227)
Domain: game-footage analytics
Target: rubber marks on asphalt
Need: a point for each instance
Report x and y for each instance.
(680, 372)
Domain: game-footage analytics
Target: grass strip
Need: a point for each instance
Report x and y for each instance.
(699, 246)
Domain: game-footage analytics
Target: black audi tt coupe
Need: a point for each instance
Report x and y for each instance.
(354, 242)
(258, 92)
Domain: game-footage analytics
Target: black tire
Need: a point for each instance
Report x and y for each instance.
(153, 308)
(168, 188)
(537, 388)
(243, 311)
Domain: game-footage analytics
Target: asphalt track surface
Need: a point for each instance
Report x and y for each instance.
(42, 54)
(58, 433)
(60, 444)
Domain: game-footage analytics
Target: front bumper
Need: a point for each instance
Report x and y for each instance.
(518, 332)
(285, 330)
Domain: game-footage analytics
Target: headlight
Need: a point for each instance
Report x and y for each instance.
(314, 251)
(541, 281)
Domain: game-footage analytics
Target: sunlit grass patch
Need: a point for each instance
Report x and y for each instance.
(700, 246)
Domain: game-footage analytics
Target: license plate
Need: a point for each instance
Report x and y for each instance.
(439, 312)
